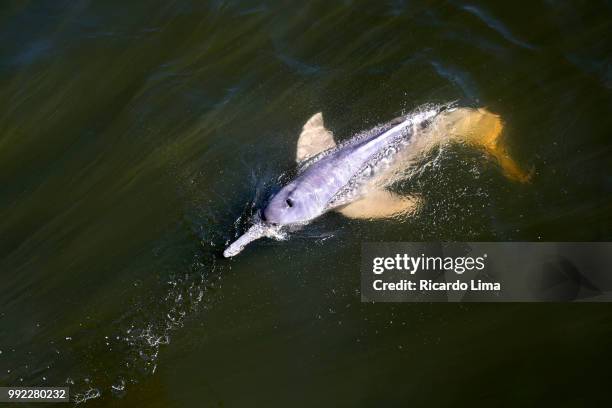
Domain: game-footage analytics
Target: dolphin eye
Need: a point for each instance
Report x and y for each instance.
(289, 202)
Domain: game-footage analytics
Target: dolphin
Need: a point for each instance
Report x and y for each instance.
(352, 177)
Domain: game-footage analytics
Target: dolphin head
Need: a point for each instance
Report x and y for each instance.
(290, 206)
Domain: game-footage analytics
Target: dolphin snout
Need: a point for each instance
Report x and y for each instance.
(255, 232)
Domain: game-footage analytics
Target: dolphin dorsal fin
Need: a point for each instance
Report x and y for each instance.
(314, 138)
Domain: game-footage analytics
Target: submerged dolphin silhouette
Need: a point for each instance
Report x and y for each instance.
(351, 177)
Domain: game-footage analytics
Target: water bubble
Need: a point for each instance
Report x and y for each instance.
(118, 389)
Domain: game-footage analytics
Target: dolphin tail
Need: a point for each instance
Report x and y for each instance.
(255, 232)
(483, 129)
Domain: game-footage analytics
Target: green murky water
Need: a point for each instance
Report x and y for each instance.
(133, 135)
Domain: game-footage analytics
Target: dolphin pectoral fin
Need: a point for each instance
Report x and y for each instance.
(380, 204)
(314, 138)
(255, 232)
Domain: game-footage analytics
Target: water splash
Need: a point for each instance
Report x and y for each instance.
(89, 394)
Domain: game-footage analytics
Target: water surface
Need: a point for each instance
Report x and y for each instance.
(137, 137)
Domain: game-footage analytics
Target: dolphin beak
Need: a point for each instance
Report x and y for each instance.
(255, 232)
